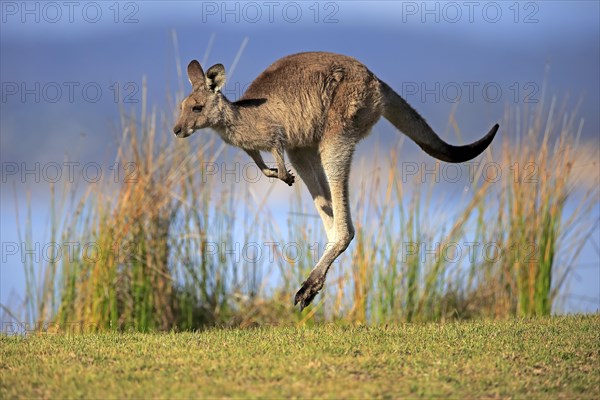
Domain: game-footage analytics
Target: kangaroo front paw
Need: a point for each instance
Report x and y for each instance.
(307, 292)
(289, 178)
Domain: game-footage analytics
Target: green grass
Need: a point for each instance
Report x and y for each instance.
(523, 358)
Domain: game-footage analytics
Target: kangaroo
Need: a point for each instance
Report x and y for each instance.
(316, 107)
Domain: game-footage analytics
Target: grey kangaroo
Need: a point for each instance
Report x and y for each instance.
(316, 107)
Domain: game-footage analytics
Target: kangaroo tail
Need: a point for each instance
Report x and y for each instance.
(407, 120)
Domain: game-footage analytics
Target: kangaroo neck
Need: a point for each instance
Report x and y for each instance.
(230, 123)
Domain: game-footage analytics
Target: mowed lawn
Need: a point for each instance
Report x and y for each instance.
(551, 357)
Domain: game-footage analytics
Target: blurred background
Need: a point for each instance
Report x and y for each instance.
(74, 74)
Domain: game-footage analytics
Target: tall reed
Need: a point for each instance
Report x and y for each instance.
(163, 238)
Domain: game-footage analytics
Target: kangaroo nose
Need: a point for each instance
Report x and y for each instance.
(177, 130)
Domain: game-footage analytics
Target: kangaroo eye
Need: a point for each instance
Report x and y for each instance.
(197, 108)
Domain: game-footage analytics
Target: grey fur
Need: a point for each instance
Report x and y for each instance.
(316, 107)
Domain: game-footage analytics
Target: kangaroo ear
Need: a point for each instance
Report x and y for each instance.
(195, 74)
(215, 77)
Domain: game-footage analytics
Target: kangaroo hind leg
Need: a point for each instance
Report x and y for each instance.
(307, 164)
(336, 159)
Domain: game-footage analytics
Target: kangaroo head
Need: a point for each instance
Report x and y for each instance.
(202, 108)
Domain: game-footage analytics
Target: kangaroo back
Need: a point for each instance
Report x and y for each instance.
(407, 120)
